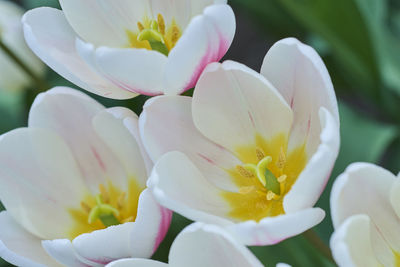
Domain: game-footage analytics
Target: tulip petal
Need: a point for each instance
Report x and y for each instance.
(273, 230)
(63, 251)
(70, 113)
(166, 125)
(351, 243)
(395, 196)
(232, 103)
(299, 74)
(206, 39)
(19, 247)
(49, 35)
(201, 245)
(110, 126)
(180, 186)
(365, 189)
(105, 22)
(135, 70)
(38, 177)
(312, 180)
(136, 263)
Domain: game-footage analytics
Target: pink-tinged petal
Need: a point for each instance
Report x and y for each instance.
(103, 22)
(150, 227)
(351, 243)
(19, 247)
(178, 185)
(136, 263)
(63, 252)
(136, 70)
(166, 125)
(110, 127)
(206, 39)
(38, 177)
(300, 75)
(51, 38)
(70, 113)
(273, 230)
(365, 189)
(104, 246)
(201, 245)
(232, 103)
(312, 180)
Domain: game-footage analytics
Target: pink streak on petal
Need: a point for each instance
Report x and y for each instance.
(98, 158)
(166, 216)
(129, 88)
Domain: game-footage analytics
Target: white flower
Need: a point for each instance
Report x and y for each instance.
(200, 245)
(65, 180)
(365, 207)
(12, 77)
(122, 48)
(254, 151)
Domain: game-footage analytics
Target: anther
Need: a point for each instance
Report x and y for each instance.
(121, 200)
(86, 207)
(244, 190)
(129, 219)
(243, 172)
(282, 178)
(175, 34)
(281, 160)
(260, 154)
(140, 26)
(270, 195)
(161, 24)
(104, 193)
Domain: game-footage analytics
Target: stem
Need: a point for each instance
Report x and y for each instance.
(41, 84)
(320, 245)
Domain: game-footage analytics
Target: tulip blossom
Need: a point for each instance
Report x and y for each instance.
(121, 48)
(200, 245)
(365, 207)
(12, 77)
(74, 185)
(250, 152)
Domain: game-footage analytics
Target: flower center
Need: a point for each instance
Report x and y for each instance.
(155, 35)
(111, 206)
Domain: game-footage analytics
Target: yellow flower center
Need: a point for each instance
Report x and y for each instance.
(111, 206)
(266, 176)
(155, 35)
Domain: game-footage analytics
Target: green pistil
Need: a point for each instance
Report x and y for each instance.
(272, 182)
(103, 212)
(154, 37)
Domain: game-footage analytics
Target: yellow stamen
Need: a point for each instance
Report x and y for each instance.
(121, 200)
(282, 178)
(161, 24)
(140, 26)
(244, 190)
(281, 160)
(86, 207)
(129, 219)
(270, 195)
(104, 194)
(244, 172)
(260, 154)
(175, 34)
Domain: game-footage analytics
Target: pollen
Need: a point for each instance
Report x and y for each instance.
(270, 195)
(140, 26)
(104, 193)
(246, 189)
(161, 24)
(86, 207)
(282, 178)
(244, 172)
(281, 159)
(260, 153)
(175, 34)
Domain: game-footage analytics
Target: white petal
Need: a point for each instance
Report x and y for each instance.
(351, 243)
(136, 263)
(151, 226)
(273, 230)
(282, 265)
(70, 113)
(49, 35)
(136, 70)
(63, 251)
(106, 245)
(206, 39)
(19, 247)
(395, 196)
(110, 127)
(232, 103)
(201, 245)
(312, 180)
(365, 189)
(102, 22)
(299, 74)
(38, 177)
(178, 185)
(166, 125)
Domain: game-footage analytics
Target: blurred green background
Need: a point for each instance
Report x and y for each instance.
(359, 41)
